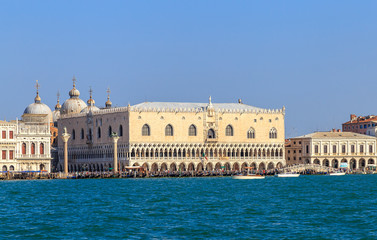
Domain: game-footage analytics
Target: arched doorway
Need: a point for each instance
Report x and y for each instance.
(211, 133)
(209, 167)
(316, 161)
(262, 166)
(199, 167)
(236, 167)
(173, 167)
(243, 166)
(353, 164)
(41, 167)
(253, 166)
(182, 167)
(191, 167)
(335, 163)
(270, 166)
(145, 166)
(326, 163)
(218, 166)
(279, 165)
(362, 163)
(4, 168)
(227, 166)
(164, 167)
(154, 167)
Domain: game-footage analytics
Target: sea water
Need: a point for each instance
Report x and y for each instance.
(325, 207)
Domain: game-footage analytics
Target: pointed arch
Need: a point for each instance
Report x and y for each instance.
(145, 130)
(251, 133)
(192, 130)
(169, 130)
(229, 130)
(273, 133)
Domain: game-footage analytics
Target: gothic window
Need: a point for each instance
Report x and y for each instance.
(4, 153)
(33, 148)
(98, 132)
(42, 149)
(251, 133)
(145, 130)
(11, 154)
(120, 130)
(73, 134)
(24, 148)
(110, 131)
(90, 137)
(169, 130)
(192, 130)
(82, 133)
(229, 131)
(307, 148)
(11, 134)
(273, 133)
(4, 135)
(211, 134)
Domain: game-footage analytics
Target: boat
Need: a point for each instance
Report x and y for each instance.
(337, 174)
(288, 175)
(249, 175)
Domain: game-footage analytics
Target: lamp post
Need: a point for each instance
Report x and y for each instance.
(65, 136)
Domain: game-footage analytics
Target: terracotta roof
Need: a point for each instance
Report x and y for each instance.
(362, 120)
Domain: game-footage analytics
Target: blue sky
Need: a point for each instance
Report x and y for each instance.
(317, 58)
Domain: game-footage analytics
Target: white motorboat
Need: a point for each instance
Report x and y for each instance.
(337, 174)
(288, 175)
(251, 176)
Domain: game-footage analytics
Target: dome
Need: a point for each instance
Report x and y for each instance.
(38, 108)
(74, 104)
(90, 108)
(55, 115)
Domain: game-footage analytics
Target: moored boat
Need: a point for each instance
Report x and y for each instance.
(251, 176)
(288, 175)
(337, 174)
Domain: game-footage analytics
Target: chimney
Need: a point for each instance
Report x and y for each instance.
(352, 117)
(240, 101)
(339, 130)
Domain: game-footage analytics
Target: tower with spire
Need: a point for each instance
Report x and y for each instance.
(108, 102)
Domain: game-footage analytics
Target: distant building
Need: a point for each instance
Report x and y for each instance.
(359, 124)
(334, 148)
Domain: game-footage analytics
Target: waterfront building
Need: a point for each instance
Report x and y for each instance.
(359, 124)
(293, 151)
(334, 148)
(25, 144)
(171, 136)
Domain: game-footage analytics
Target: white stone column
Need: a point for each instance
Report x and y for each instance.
(115, 146)
(65, 136)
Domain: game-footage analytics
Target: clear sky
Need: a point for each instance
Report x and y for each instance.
(316, 58)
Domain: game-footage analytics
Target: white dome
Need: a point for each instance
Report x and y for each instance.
(38, 108)
(55, 115)
(90, 108)
(72, 105)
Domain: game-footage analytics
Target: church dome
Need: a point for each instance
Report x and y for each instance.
(55, 115)
(38, 107)
(74, 104)
(91, 103)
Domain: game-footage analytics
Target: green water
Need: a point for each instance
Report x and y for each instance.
(314, 207)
